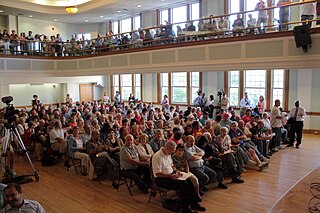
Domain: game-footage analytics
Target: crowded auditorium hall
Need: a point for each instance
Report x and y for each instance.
(159, 106)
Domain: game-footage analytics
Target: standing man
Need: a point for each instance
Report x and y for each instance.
(284, 14)
(16, 203)
(245, 104)
(276, 124)
(307, 12)
(298, 114)
(262, 15)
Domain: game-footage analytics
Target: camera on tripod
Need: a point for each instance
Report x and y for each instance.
(10, 111)
(220, 93)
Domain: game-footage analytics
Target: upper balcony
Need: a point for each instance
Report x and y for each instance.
(220, 42)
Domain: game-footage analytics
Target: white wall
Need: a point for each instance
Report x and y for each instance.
(93, 29)
(47, 93)
(49, 89)
(42, 27)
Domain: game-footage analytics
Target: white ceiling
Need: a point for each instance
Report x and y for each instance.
(91, 11)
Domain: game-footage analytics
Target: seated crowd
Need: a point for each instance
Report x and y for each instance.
(187, 150)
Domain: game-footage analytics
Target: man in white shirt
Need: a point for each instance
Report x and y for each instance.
(168, 177)
(307, 12)
(57, 139)
(276, 124)
(16, 203)
(245, 103)
(297, 114)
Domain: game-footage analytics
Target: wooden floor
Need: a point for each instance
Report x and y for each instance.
(64, 191)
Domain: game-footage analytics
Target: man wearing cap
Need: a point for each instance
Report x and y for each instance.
(225, 122)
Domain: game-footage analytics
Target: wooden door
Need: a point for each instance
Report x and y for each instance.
(86, 92)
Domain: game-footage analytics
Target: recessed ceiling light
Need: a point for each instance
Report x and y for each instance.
(86, 20)
(119, 11)
(101, 16)
(139, 5)
(55, 19)
(1, 11)
(30, 16)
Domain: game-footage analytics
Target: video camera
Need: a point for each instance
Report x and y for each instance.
(10, 111)
(220, 93)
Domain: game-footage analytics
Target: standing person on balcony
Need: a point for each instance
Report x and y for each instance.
(284, 14)
(30, 39)
(6, 40)
(307, 12)
(58, 45)
(262, 16)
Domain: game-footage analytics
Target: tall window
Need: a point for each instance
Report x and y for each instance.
(164, 84)
(125, 25)
(116, 86)
(179, 14)
(234, 84)
(195, 85)
(115, 27)
(195, 14)
(255, 84)
(277, 85)
(164, 16)
(179, 87)
(137, 23)
(234, 8)
(137, 86)
(126, 86)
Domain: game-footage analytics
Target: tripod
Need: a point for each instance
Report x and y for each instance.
(12, 133)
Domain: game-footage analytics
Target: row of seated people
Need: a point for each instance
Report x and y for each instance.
(41, 44)
(104, 136)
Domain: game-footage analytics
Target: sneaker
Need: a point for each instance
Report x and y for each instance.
(237, 180)
(221, 185)
(265, 159)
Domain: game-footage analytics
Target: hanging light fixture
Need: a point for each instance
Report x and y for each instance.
(71, 8)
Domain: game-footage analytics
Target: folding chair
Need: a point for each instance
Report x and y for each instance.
(124, 180)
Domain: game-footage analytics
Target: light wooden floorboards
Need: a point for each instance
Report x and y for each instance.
(64, 191)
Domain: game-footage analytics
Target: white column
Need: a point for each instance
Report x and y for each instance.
(12, 23)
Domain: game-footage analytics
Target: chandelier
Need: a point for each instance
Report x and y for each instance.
(72, 9)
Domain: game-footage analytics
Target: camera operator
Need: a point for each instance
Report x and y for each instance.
(198, 101)
(224, 101)
(35, 102)
(245, 104)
